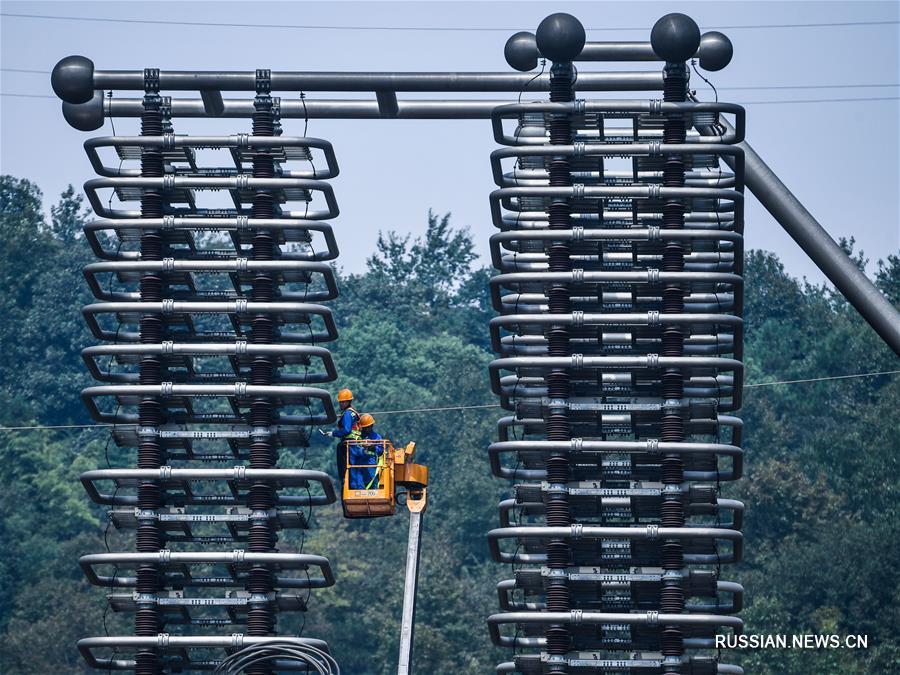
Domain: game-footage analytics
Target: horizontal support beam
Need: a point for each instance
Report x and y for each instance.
(133, 80)
(312, 109)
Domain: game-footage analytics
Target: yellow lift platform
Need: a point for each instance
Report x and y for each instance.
(378, 497)
(395, 469)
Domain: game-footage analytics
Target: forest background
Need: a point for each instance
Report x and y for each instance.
(822, 458)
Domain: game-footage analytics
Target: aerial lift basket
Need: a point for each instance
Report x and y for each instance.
(393, 470)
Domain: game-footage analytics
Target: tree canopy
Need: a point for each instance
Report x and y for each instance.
(820, 485)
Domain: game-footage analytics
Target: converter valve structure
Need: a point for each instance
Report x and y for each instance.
(619, 342)
(209, 293)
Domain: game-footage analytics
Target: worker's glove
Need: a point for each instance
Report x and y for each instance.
(329, 434)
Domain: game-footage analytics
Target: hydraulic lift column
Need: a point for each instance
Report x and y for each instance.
(416, 503)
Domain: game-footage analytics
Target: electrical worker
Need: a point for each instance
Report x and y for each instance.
(366, 453)
(347, 429)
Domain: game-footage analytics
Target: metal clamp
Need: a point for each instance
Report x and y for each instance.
(578, 191)
(263, 81)
(151, 80)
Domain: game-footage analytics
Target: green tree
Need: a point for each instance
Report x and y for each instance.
(821, 459)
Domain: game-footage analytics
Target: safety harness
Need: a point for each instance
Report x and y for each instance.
(378, 467)
(355, 430)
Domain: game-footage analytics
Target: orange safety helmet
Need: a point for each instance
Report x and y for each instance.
(345, 395)
(366, 420)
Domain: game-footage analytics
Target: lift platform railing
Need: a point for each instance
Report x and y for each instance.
(370, 487)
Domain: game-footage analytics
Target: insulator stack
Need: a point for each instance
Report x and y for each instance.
(209, 297)
(619, 343)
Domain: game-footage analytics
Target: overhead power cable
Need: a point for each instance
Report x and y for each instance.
(462, 407)
(455, 407)
(823, 100)
(65, 426)
(822, 379)
(18, 95)
(223, 24)
(854, 85)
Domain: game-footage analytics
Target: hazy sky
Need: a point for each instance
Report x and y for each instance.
(839, 158)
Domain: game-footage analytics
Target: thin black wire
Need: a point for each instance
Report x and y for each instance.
(309, 430)
(718, 473)
(109, 521)
(106, 533)
(105, 627)
(109, 283)
(482, 29)
(311, 426)
(109, 116)
(518, 218)
(305, 602)
(108, 371)
(853, 85)
(308, 590)
(18, 95)
(716, 126)
(309, 412)
(305, 119)
(516, 140)
(529, 83)
(823, 100)
(712, 86)
(109, 438)
(309, 512)
(112, 123)
(485, 407)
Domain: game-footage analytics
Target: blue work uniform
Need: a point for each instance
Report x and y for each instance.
(347, 430)
(362, 479)
(348, 424)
